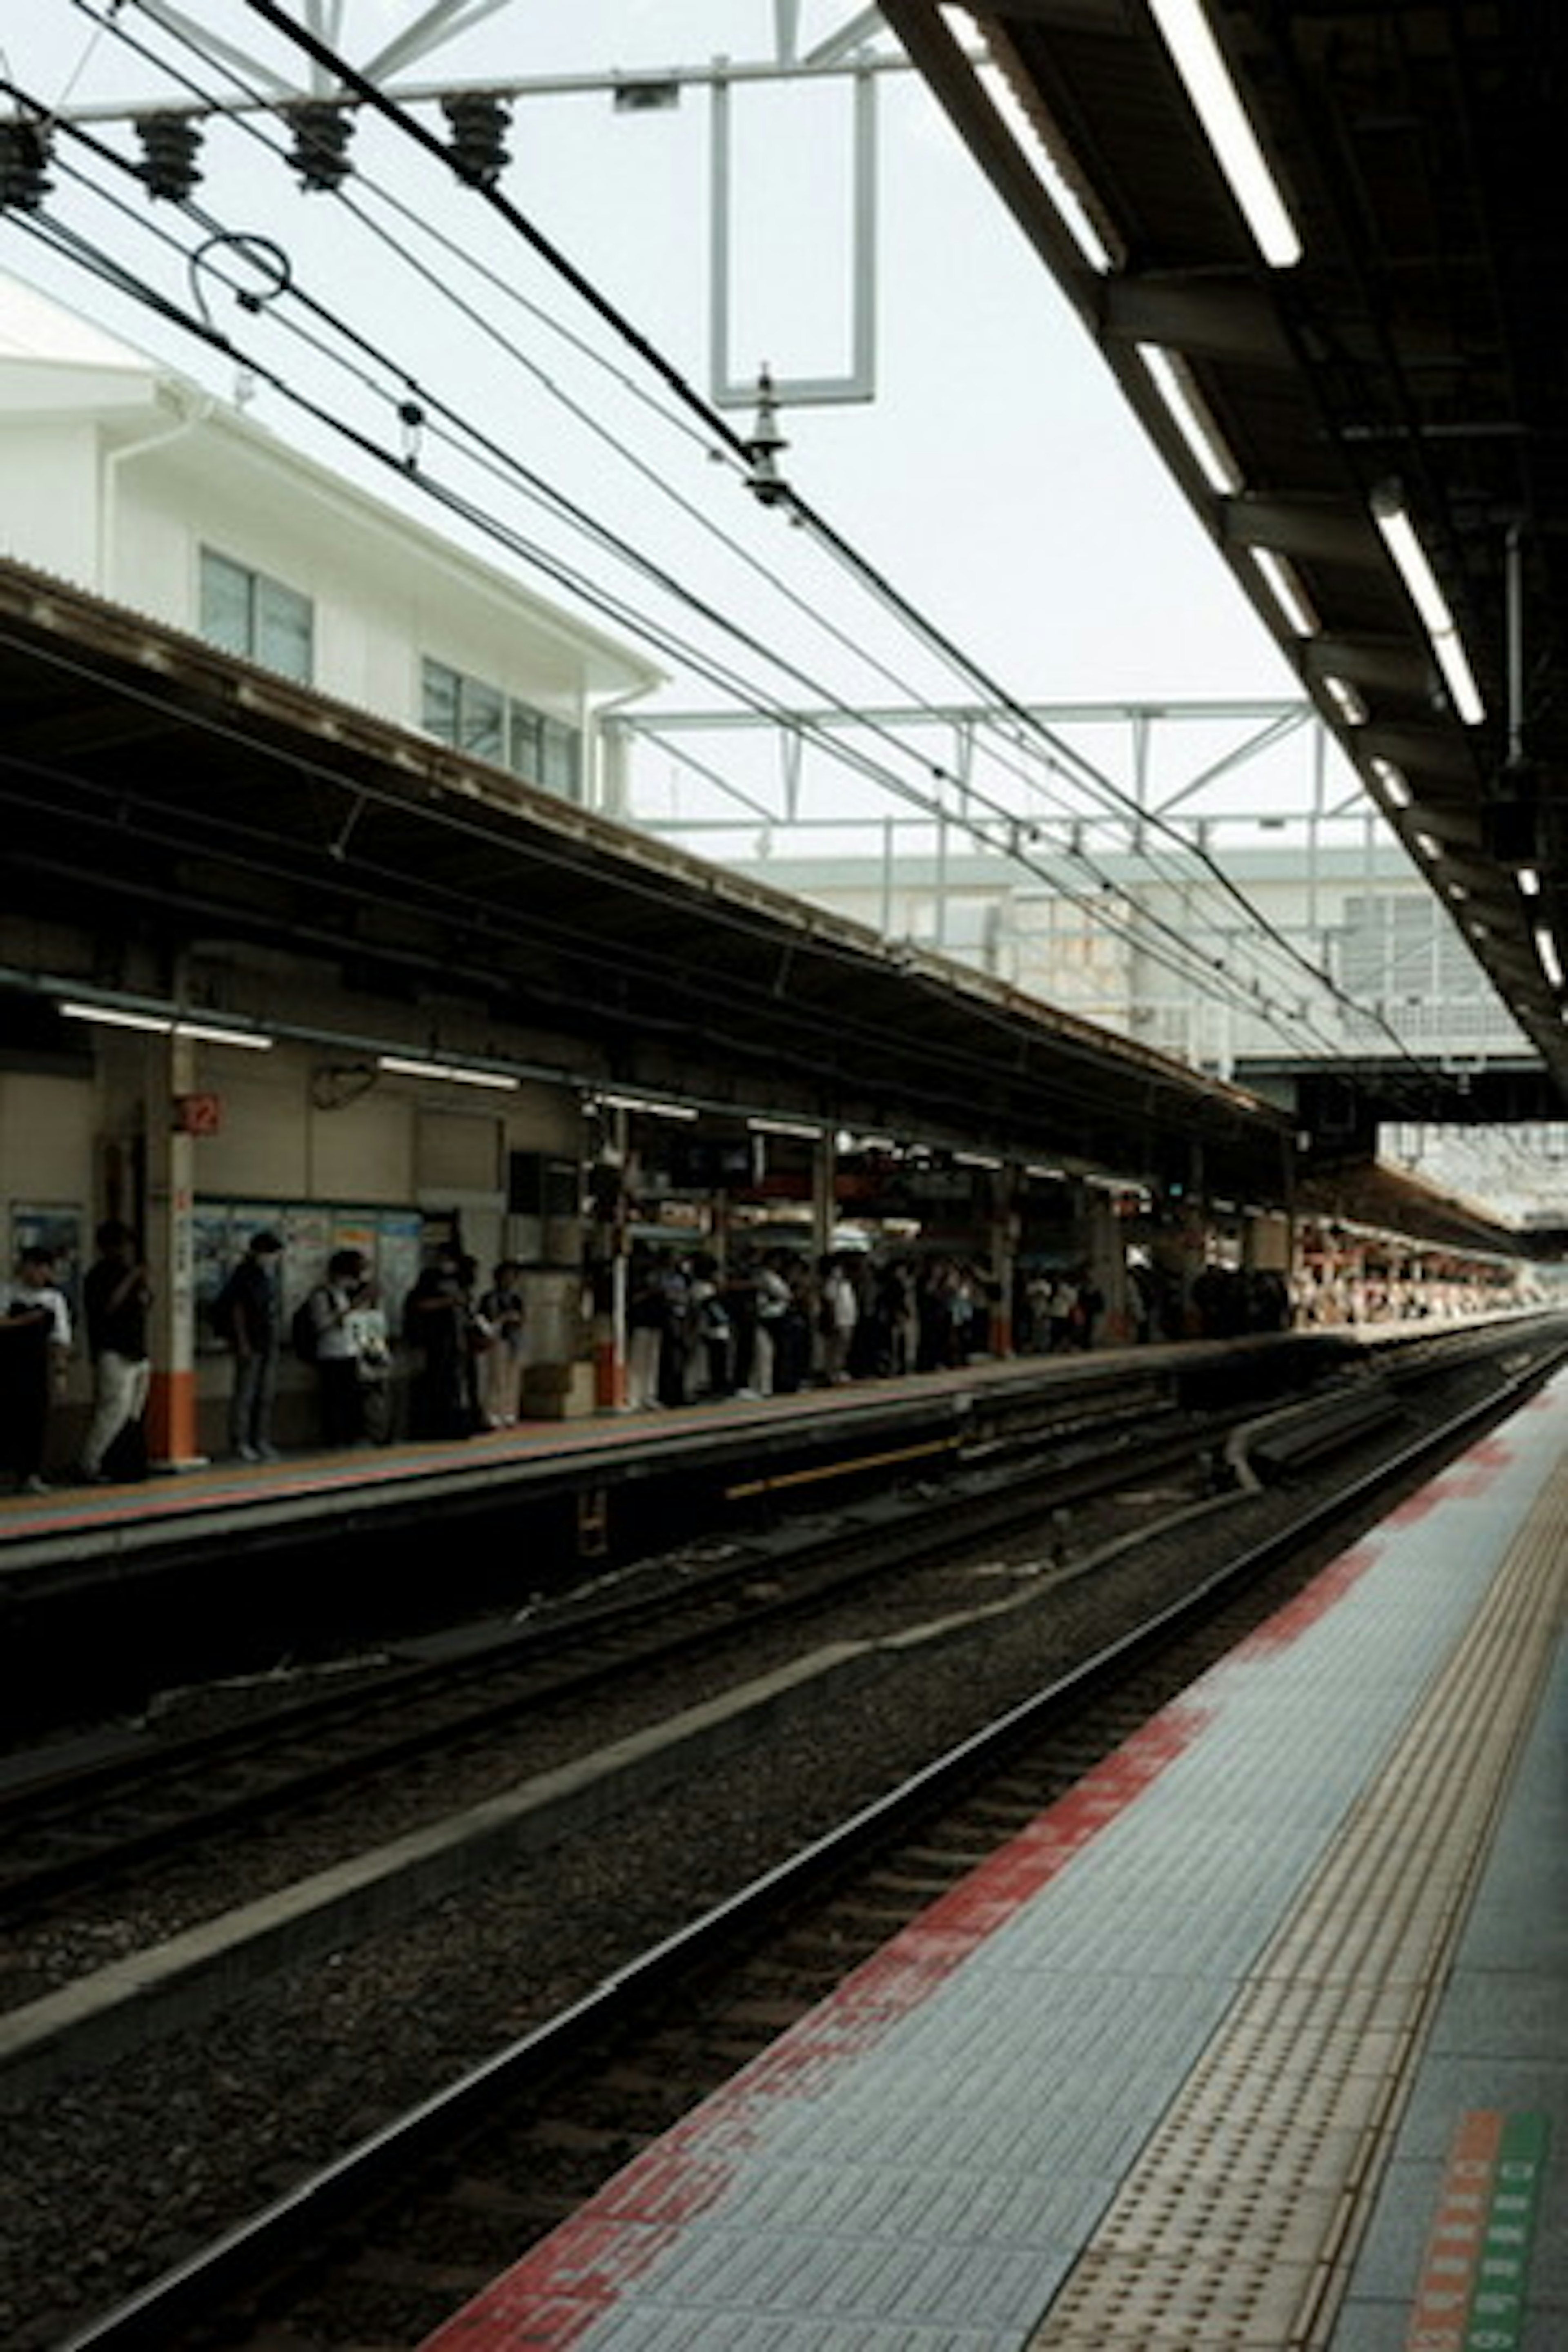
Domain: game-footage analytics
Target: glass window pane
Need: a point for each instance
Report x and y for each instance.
(522, 748)
(562, 769)
(483, 717)
(283, 630)
(225, 603)
(439, 715)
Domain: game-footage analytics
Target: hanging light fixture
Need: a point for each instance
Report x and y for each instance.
(1415, 568)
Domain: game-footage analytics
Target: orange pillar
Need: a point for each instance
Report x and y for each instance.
(173, 1440)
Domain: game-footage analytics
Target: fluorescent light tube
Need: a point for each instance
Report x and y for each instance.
(165, 1024)
(407, 1067)
(254, 1038)
(1280, 577)
(1347, 701)
(1192, 419)
(1415, 569)
(1391, 778)
(1064, 198)
(160, 1024)
(654, 1110)
(1218, 106)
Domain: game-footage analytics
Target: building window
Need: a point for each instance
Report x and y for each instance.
(245, 613)
(477, 718)
(1404, 956)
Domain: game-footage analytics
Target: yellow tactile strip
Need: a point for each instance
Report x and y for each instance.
(1238, 2224)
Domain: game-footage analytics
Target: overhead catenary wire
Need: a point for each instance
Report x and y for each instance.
(1085, 776)
(1179, 957)
(1183, 963)
(1195, 970)
(332, 61)
(1059, 753)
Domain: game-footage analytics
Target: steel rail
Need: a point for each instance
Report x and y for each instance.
(268, 2245)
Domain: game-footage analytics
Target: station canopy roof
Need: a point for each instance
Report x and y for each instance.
(1412, 358)
(153, 788)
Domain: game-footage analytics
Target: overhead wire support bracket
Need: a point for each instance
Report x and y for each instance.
(729, 389)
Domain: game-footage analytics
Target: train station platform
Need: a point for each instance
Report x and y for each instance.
(230, 1567)
(82, 1532)
(1255, 2039)
(224, 1498)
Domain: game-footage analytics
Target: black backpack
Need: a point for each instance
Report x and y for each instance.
(304, 1331)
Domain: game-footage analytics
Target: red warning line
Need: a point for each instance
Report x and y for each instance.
(550, 2299)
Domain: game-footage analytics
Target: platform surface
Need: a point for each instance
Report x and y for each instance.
(210, 1500)
(1259, 2039)
(200, 1502)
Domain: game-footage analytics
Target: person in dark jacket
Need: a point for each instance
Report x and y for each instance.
(252, 1323)
(436, 1319)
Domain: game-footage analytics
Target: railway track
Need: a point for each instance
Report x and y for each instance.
(88, 1812)
(77, 1817)
(380, 2245)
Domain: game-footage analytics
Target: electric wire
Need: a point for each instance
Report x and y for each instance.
(1085, 776)
(330, 61)
(1188, 965)
(1201, 975)
(411, 218)
(1005, 817)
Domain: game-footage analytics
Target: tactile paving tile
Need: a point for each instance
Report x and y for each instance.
(1237, 2226)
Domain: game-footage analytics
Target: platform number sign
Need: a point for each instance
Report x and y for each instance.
(198, 1114)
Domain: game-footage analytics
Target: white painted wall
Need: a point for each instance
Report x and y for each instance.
(48, 495)
(114, 475)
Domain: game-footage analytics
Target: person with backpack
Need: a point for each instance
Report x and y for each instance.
(324, 1326)
(248, 1314)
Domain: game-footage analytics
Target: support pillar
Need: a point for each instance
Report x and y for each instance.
(1105, 1255)
(610, 1202)
(168, 1243)
(824, 1196)
(1005, 1227)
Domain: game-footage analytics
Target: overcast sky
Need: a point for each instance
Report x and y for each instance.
(996, 476)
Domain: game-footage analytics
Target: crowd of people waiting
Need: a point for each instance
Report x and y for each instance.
(464, 1342)
(773, 1321)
